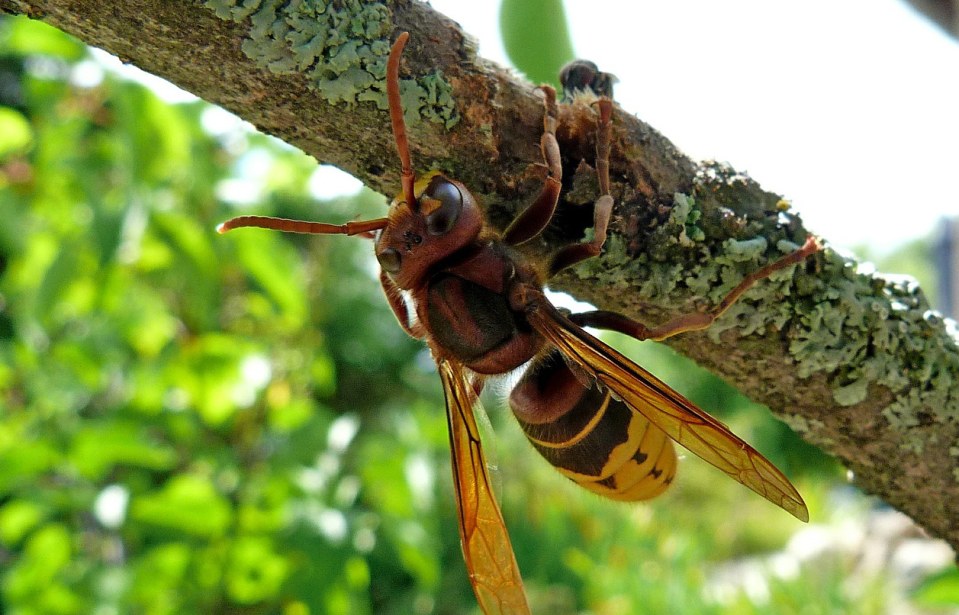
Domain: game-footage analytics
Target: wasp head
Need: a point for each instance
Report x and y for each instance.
(442, 218)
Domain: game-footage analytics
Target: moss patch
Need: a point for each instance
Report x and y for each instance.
(342, 46)
(864, 329)
(859, 328)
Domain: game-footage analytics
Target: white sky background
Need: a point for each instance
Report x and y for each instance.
(849, 108)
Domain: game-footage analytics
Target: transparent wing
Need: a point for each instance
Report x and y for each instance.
(486, 547)
(682, 421)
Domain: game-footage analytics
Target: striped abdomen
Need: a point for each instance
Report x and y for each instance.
(589, 436)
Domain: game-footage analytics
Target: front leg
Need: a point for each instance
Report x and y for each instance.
(532, 220)
(603, 208)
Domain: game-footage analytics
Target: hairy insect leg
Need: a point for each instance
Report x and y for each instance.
(612, 321)
(532, 220)
(603, 207)
(398, 304)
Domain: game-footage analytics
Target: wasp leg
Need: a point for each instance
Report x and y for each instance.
(696, 321)
(398, 304)
(603, 208)
(534, 218)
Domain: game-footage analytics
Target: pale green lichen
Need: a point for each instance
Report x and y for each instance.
(806, 426)
(766, 307)
(745, 250)
(341, 45)
(685, 214)
(661, 281)
(614, 252)
(864, 330)
(859, 329)
(711, 279)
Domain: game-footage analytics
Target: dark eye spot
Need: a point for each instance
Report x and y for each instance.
(389, 260)
(442, 219)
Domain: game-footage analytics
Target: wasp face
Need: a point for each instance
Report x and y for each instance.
(443, 219)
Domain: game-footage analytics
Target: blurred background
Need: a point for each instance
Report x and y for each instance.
(193, 423)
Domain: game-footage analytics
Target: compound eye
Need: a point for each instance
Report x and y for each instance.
(442, 203)
(390, 260)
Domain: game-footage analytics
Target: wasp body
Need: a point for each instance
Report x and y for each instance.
(468, 291)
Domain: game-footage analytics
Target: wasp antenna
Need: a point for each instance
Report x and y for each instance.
(360, 227)
(396, 116)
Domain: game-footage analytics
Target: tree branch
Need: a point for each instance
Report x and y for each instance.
(857, 363)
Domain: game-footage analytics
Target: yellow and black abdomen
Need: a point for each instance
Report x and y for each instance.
(589, 436)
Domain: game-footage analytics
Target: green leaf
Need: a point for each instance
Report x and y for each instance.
(159, 576)
(276, 267)
(940, 590)
(62, 273)
(16, 135)
(187, 504)
(17, 518)
(208, 372)
(25, 36)
(99, 447)
(158, 136)
(47, 553)
(23, 459)
(536, 37)
(255, 571)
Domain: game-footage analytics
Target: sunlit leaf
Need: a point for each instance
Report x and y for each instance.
(23, 460)
(276, 268)
(15, 132)
(256, 572)
(290, 415)
(188, 504)
(35, 576)
(160, 575)
(26, 36)
(940, 590)
(99, 447)
(536, 37)
(17, 518)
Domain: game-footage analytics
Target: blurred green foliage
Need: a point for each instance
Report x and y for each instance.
(194, 423)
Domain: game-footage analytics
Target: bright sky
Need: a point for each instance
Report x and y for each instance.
(850, 109)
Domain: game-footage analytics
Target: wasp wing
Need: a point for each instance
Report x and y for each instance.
(487, 550)
(678, 417)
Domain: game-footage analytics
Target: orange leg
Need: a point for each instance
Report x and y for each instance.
(603, 208)
(602, 319)
(532, 220)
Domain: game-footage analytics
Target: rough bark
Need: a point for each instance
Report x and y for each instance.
(856, 363)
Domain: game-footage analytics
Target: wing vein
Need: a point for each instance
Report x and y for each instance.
(492, 567)
(682, 421)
